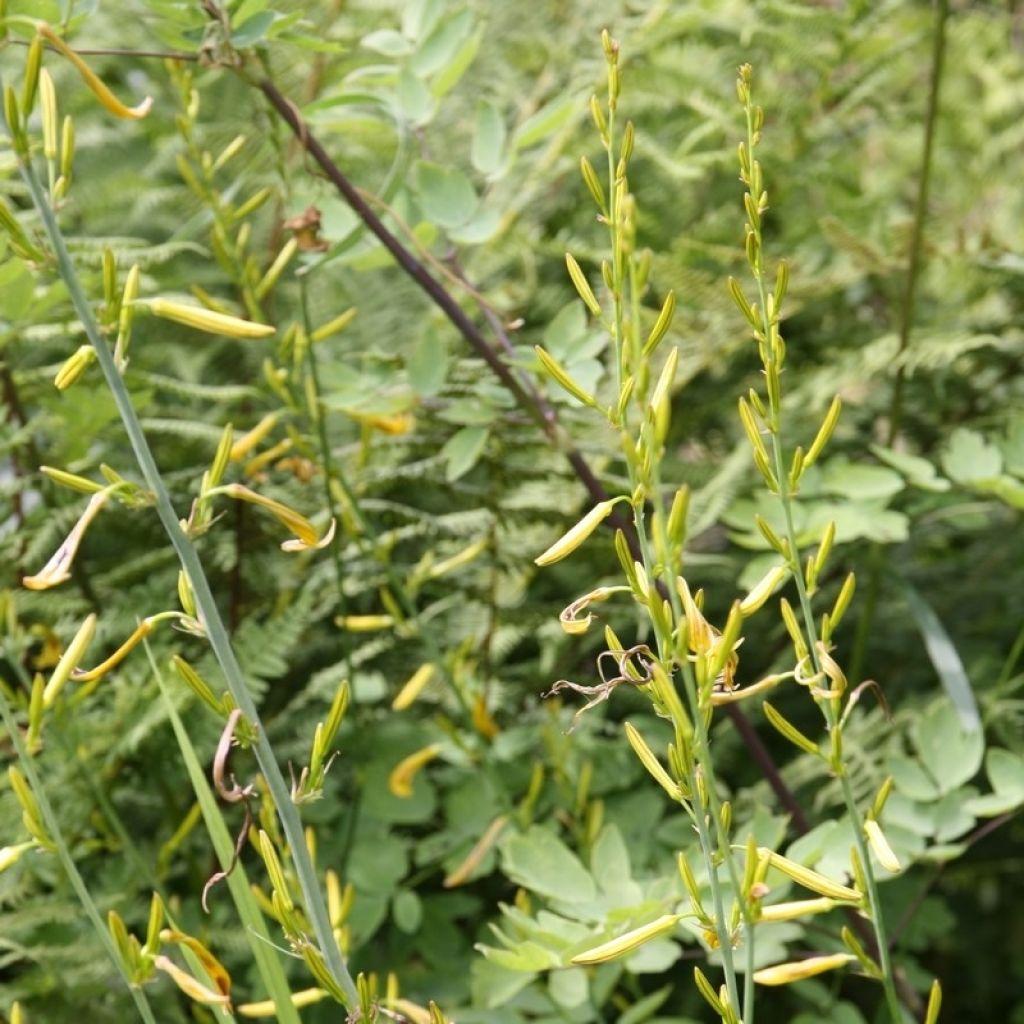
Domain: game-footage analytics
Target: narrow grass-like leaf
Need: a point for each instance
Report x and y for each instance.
(271, 972)
(944, 658)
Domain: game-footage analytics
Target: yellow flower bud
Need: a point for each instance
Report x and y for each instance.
(627, 942)
(207, 320)
(797, 970)
(268, 1008)
(880, 845)
(413, 687)
(571, 540)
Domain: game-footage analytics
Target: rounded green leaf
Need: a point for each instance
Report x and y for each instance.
(446, 195)
(489, 135)
(539, 861)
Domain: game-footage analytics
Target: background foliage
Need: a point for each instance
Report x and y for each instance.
(464, 124)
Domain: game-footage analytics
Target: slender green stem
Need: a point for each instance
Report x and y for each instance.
(771, 358)
(64, 854)
(1006, 673)
(219, 641)
(703, 755)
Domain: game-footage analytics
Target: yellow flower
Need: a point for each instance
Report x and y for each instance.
(190, 986)
(306, 536)
(57, 569)
(101, 92)
(404, 773)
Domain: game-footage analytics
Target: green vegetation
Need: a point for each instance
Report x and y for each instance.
(470, 557)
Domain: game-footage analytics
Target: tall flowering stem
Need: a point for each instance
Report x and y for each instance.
(764, 415)
(220, 643)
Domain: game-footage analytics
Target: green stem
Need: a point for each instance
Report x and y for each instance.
(64, 854)
(279, 790)
(810, 629)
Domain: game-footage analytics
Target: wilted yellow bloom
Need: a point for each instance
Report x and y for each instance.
(880, 845)
(57, 569)
(213, 967)
(572, 539)
(415, 1013)
(300, 544)
(627, 942)
(207, 320)
(404, 773)
(413, 687)
(306, 536)
(99, 90)
(797, 970)
(483, 720)
(569, 617)
(193, 988)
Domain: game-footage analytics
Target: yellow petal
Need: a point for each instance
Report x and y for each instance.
(57, 569)
(92, 80)
(404, 773)
(190, 986)
(298, 544)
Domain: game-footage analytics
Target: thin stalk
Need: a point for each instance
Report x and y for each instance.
(219, 641)
(543, 414)
(703, 749)
(667, 655)
(67, 861)
(810, 628)
(264, 952)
